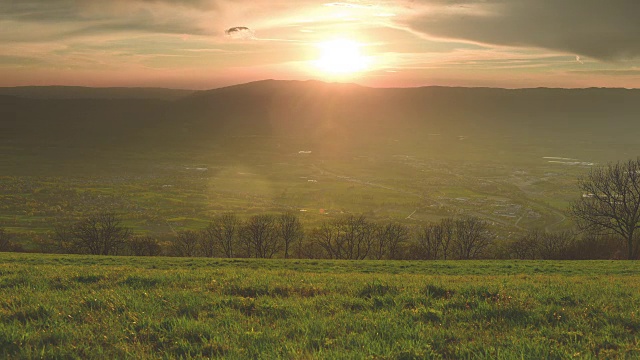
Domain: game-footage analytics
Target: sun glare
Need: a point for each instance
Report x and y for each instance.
(341, 57)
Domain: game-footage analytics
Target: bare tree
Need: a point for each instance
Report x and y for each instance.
(555, 246)
(260, 236)
(207, 242)
(357, 235)
(611, 202)
(290, 230)
(186, 243)
(526, 246)
(448, 237)
(6, 242)
(309, 248)
(144, 245)
(435, 240)
(389, 239)
(329, 238)
(224, 230)
(472, 237)
(98, 234)
(61, 239)
(220, 234)
(428, 241)
(351, 237)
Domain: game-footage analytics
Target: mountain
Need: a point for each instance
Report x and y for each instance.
(79, 92)
(286, 105)
(329, 116)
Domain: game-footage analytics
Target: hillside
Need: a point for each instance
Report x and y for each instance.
(415, 154)
(316, 113)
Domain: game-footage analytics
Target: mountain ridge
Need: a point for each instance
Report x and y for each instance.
(315, 112)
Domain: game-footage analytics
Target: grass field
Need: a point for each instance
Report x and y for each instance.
(59, 306)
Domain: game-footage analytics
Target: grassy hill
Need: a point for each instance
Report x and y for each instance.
(58, 306)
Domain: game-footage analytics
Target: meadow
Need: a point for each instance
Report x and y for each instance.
(70, 306)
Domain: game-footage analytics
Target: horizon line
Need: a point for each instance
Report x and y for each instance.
(316, 81)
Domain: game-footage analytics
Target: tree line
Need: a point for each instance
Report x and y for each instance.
(350, 237)
(607, 217)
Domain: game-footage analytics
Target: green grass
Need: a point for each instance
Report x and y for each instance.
(54, 306)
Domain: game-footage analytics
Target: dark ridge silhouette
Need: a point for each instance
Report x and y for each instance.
(80, 92)
(313, 113)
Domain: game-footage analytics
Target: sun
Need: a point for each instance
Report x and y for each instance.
(341, 57)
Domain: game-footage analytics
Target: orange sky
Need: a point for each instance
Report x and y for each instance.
(202, 44)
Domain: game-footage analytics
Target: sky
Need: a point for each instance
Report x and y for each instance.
(204, 44)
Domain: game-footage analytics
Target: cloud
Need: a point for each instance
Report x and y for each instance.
(240, 32)
(605, 30)
(352, 5)
(608, 72)
(66, 19)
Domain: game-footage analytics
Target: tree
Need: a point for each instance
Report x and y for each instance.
(350, 238)
(98, 234)
(7, 243)
(611, 202)
(356, 236)
(260, 236)
(222, 233)
(539, 244)
(428, 241)
(144, 246)
(186, 243)
(329, 238)
(526, 246)
(61, 240)
(435, 240)
(390, 237)
(555, 246)
(290, 231)
(472, 237)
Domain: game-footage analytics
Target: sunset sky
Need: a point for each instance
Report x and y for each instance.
(201, 44)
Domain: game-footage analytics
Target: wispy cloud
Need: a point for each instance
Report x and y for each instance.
(606, 30)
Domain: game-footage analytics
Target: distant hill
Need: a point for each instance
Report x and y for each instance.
(316, 114)
(314, 108)
(79, 92)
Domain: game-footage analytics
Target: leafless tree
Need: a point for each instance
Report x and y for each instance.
(5, 241)
(61, 239)
(221, 233)
(435, 240)
(428, 241)
(98, 234)
(357, 235)
(448, 237)
(611, 202)
(329, 238)
(526, 246)
(290, 230)
(144, 245)
(555, 246)
(472, 237)
(186, 243)
(309, 248)
(389, 239)
(351, 237)
(260, 236)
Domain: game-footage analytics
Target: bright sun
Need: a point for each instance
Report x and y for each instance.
(341, 57)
